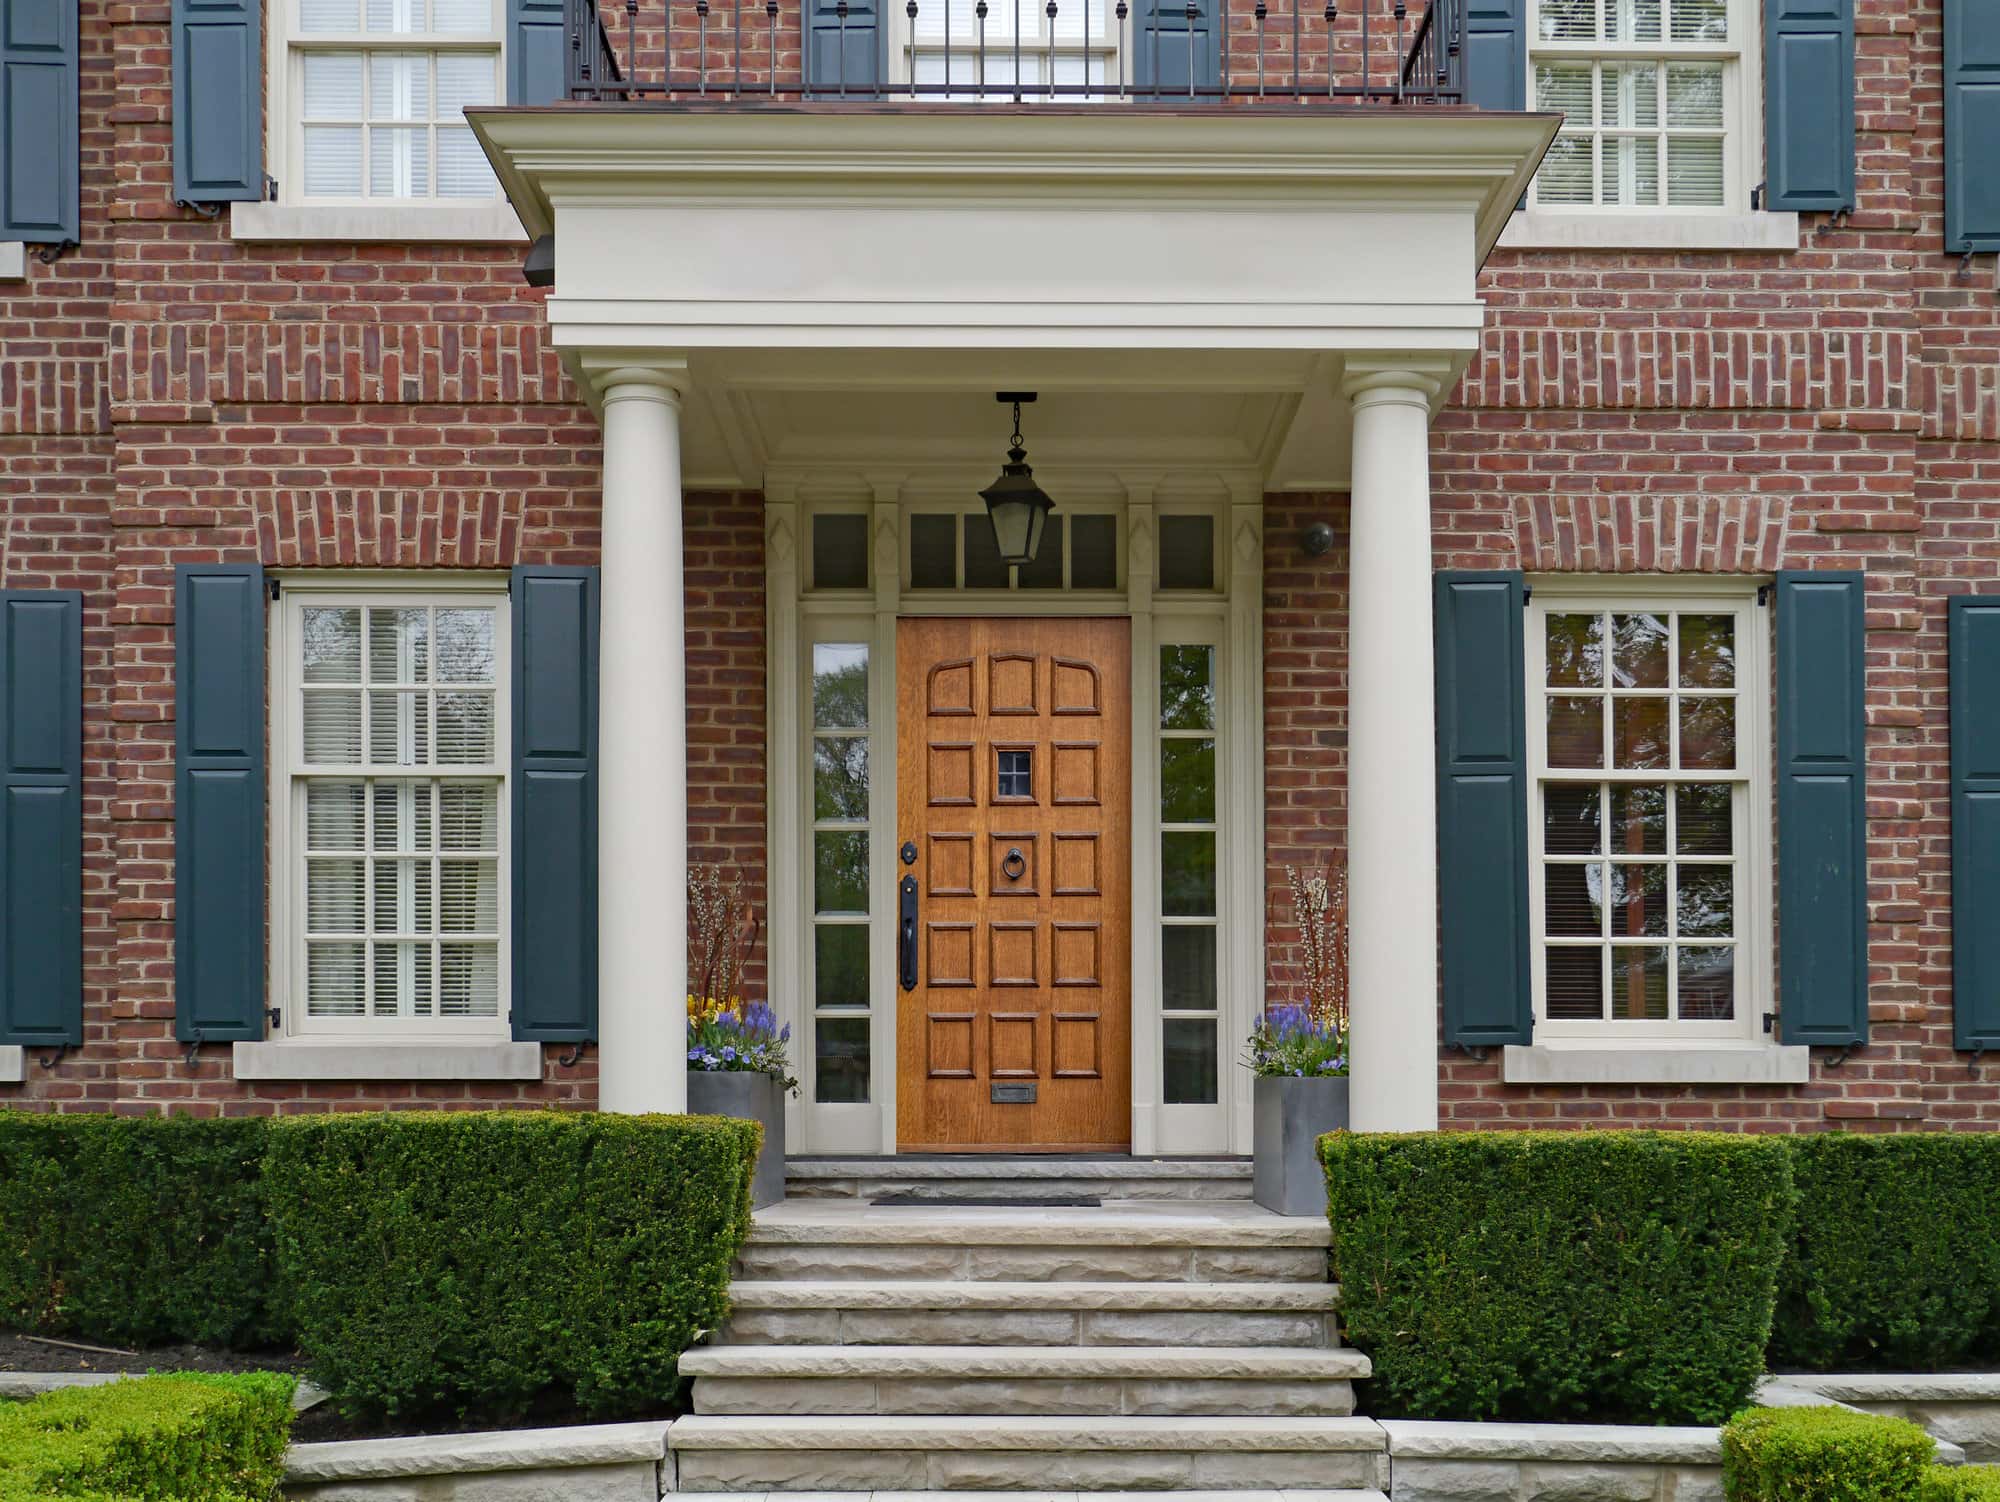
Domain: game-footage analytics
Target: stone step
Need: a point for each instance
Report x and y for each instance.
(1139, 1242)
(1043, 1454)
(839, 1313)
(1020, 1177)
(1074, 1380)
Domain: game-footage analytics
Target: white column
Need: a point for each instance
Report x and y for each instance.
(1391, 759)
(642, 751)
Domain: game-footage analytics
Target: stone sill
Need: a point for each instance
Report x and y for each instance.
(293, 1059)
(13, 1064)
(1542, 229)
(1661, 1064)
(404, 223)
(13, 260)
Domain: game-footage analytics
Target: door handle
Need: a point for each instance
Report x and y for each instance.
(906, 932)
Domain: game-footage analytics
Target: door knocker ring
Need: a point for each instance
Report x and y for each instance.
(1014, 865)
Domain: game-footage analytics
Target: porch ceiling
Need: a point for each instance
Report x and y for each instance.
(848, 287)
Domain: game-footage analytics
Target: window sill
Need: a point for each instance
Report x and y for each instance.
(1656, 1064)
(13, 1064)
(297, 1059)
(13, 261)
(482, 223)
(1540, 229)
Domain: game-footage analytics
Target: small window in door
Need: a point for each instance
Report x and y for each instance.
(1014, 777)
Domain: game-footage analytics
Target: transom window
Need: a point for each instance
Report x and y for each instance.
(394, 738)
(1649, 93)
(1647, 733)
(379, 91)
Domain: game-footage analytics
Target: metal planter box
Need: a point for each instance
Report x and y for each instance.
(1290, 1115)
(752, 1097)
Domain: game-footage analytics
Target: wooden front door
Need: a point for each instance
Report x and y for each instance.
(1014, 961)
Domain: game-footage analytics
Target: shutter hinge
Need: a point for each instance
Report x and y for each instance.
(1770, 1023)
(193, 1059)
(1527, 594)
(575, 1054)
(1839, 1056)
(50, 1060)
(48, 255)
(273, 1017)
(1965, 266)
(1972, 1064)
(270, 188)
(206, 210)
(1763, 595)
(1757, 197)
(274, 588)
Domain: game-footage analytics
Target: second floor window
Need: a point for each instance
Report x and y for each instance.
(379, 90)
(1650, 94)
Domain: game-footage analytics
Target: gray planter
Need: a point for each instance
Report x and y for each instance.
(753, 1097)
(1290, 1117)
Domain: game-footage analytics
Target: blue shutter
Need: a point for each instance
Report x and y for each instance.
(843, 54)
(38, 122)
(535, 52)
(1822, 809)
(1482, 769)
(1496, 54)
(1165, 44)
(1809, 105)
(1975, 821)
(555, 804)
(218, 101)
(41, 819)
(1971, 125)
(218, 802)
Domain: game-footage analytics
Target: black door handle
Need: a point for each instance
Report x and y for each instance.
(906, 933)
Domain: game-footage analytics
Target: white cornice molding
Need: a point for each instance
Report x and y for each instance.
(554, 154)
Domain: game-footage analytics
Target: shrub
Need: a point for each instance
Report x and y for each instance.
(481, 1262)
(1822, 1455)
(181, 1438)
(136, 1230)
(1896, 1262)
(1549, 1275)
(1974, 1483)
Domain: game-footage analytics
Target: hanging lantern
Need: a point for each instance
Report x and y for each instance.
(1018, 506)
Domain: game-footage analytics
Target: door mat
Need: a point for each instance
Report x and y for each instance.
(1023, 1201)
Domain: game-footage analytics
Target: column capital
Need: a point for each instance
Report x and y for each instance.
(1399, 375)
(630, 378)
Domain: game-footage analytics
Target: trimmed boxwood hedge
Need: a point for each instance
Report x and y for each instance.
(1823, 1455)
(1618, 1276)
(454, 1263)
(1896, 1261)
(1972, 1483)
(179, 1438)
(135, 1229)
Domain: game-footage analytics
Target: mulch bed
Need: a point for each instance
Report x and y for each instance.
(21, 1353)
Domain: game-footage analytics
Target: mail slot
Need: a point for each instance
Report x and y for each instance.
(1019, 1093)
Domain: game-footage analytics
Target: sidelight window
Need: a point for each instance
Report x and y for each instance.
(1189, 926)
(1647, 728)
(840, 799)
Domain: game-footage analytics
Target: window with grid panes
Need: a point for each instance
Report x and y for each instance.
(980, 49)
(1649, 91)
(840, 793)
(1650, 795)
(1188, 890)
(396, 767)
(379, 93)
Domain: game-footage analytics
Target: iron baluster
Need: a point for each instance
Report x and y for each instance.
(1402, 10)
(736, 40)
(1295, 49)
(1193, 13)
(1260, 14)
(1052, 48)
(1332, 15)
(771, 28)
(1017, 51)
(910, 10)
(701, 47)
(1123, 12)
(979, 54)
(1154, 8)
(632, 33)
(947, 50)
(840, 13)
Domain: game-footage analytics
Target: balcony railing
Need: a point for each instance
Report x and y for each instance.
(1167, 52)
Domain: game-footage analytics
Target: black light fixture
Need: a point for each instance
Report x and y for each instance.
(1019, 507)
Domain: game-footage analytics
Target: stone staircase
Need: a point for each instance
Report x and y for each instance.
(1176, 1337)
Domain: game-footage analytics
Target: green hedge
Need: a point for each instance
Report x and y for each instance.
(1896, 1264)
(474, 1263)
(1823, 1455)
(1620, 1276)
(136, 1230)
(181, 1438)
(1972, 1483)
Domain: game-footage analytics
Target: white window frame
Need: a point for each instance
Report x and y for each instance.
(1752, 813)
(288, 779)
(1742, 116)
(1105, 38)
(363, 216)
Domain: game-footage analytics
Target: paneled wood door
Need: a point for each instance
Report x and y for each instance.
(1013, 939)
